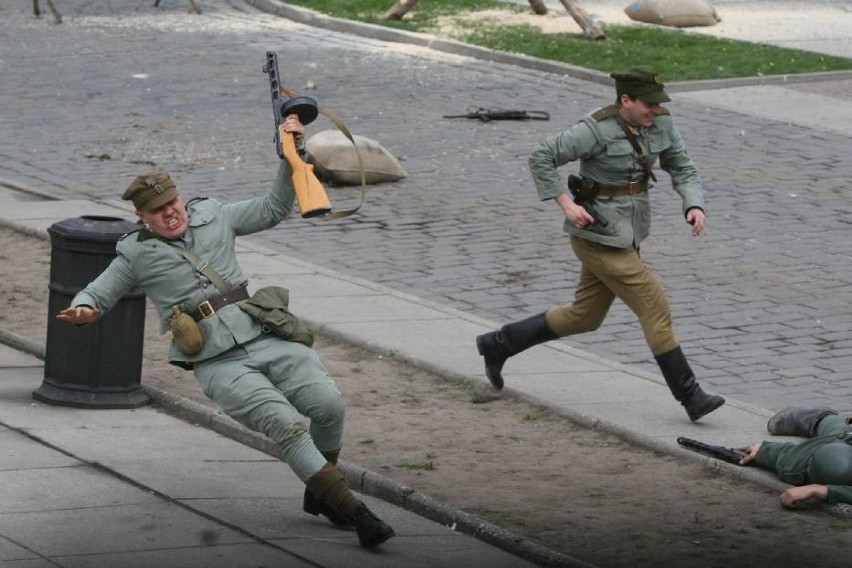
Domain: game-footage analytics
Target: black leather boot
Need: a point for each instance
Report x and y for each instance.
(329, 487)
(315, 507)
(797, 421)
(372, 531)
(681, 381)
(511, 339)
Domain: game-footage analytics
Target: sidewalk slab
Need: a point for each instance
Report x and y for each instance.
(136, 487)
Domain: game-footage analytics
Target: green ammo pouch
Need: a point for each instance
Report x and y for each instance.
(269, 307)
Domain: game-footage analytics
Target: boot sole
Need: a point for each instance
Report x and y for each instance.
(496, 383)
(334, 523)
(384, 538)
(708, 411)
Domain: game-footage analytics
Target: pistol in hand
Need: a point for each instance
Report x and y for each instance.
(585, 197)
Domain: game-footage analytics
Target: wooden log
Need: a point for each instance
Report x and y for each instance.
(398, 10)
(538, 7)
(590, 29)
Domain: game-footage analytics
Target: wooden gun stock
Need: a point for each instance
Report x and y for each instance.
(311, 195)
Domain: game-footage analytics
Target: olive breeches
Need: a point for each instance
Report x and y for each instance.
(608, 273)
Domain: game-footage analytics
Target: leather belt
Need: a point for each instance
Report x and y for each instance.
(635, 187)
(209, 307)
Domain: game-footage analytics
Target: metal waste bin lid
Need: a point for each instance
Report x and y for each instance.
(95, 228)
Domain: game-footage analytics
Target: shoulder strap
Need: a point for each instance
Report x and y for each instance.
(605, 112)
(203, 267)
(643, 159)
(345, 131)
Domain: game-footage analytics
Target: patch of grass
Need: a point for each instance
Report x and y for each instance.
(536, 415)
(417, 465)
(422, 17)
(675, 54)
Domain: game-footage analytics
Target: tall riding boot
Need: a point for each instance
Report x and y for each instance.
(681, 381)
(511, 339)
(315, 507)
(797, 421)
(329, 486)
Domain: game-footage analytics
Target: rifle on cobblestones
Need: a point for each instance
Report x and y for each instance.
(730, 455)
(489, 114)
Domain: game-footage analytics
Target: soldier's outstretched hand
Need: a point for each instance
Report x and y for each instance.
(79, 315)
(795, 495)
(697, 219)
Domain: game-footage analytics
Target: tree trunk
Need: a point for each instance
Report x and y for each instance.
(590, 29)
(538, 7)
(398, 10)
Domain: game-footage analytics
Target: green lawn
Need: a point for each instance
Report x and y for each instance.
(675, 54)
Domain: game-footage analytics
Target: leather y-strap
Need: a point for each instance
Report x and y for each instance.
(643, 159)
(203, 267)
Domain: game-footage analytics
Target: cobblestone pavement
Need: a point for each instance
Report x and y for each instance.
(761, 302)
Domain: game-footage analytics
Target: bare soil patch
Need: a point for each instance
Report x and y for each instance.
(582, 492)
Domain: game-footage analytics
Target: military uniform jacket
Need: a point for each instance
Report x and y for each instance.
(149, 263)
(790, 462)
(607, 157)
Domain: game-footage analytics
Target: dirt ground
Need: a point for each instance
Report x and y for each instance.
(578, 491)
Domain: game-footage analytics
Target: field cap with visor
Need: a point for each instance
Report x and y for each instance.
(150, 190)
(640, 82)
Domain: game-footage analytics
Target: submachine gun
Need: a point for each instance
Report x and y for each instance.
(730, 455)
(584, 195)
(311, 195)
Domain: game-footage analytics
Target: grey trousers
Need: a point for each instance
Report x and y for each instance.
(269, 385)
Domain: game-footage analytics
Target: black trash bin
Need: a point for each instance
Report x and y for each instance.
(97, 365)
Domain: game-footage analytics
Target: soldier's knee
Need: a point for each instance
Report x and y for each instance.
(324, 404)
(573, 321)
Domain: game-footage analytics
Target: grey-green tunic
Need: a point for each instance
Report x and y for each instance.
(606, 156)
(168, 279)
(790, 461)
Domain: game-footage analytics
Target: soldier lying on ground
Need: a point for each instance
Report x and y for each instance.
(819, 468)
(184, 259)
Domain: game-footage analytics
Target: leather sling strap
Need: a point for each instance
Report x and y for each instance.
(643, 159)
(203, 267)
(343, 129)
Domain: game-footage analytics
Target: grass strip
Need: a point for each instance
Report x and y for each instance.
(675, 54)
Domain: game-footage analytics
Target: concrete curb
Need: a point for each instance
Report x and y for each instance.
(358, 478)
(405, 497)
(316, 19)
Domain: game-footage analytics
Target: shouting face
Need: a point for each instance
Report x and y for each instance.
(168, 221)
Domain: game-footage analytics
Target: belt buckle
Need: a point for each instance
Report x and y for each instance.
(206, 310)
(634, 187)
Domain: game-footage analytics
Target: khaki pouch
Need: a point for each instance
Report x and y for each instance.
(269, 307)
(185, 332)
